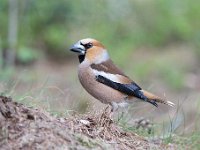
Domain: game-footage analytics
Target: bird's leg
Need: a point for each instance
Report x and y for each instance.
(114, 107)
(123, 113)
(108, 111)
(111, 112)
(121, 116)
(124, 106)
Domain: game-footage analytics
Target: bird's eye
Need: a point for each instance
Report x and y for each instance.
(88, 45)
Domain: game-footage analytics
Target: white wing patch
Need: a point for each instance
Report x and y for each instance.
(109, 76)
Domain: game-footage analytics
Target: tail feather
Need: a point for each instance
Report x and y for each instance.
(153, 99)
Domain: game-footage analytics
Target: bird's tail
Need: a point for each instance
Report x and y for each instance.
(155, 99)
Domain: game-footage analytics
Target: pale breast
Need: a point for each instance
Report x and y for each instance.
(98, 90)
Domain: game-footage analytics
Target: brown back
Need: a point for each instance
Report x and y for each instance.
(108, 67)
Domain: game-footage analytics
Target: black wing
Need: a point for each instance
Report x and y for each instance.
(130, 89)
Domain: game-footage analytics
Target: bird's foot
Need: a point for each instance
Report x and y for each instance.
(108, 112)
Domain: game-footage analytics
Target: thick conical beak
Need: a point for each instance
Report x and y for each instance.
(78, 48)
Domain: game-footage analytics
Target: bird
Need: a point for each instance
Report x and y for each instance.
(102, 79)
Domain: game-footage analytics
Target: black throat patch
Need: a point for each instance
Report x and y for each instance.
(81, 58)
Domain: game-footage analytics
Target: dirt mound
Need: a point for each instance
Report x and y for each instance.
(27, 128)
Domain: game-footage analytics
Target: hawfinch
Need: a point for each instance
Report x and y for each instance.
(104, 80)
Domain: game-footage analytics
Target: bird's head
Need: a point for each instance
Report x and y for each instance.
(90, 50)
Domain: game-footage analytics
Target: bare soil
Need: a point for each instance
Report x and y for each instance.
(23, 127)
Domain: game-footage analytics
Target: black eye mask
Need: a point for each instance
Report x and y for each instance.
(87, 45)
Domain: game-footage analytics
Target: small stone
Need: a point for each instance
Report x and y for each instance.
(85, 122)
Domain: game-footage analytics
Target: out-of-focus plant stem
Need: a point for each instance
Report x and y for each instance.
(12, 33)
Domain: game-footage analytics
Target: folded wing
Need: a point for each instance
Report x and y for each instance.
(130, 89)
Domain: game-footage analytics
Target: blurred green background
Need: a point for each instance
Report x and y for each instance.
(156, 42)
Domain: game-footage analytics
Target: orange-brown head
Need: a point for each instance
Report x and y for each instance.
(90, 50)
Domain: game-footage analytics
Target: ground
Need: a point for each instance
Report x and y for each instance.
(24, 127)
